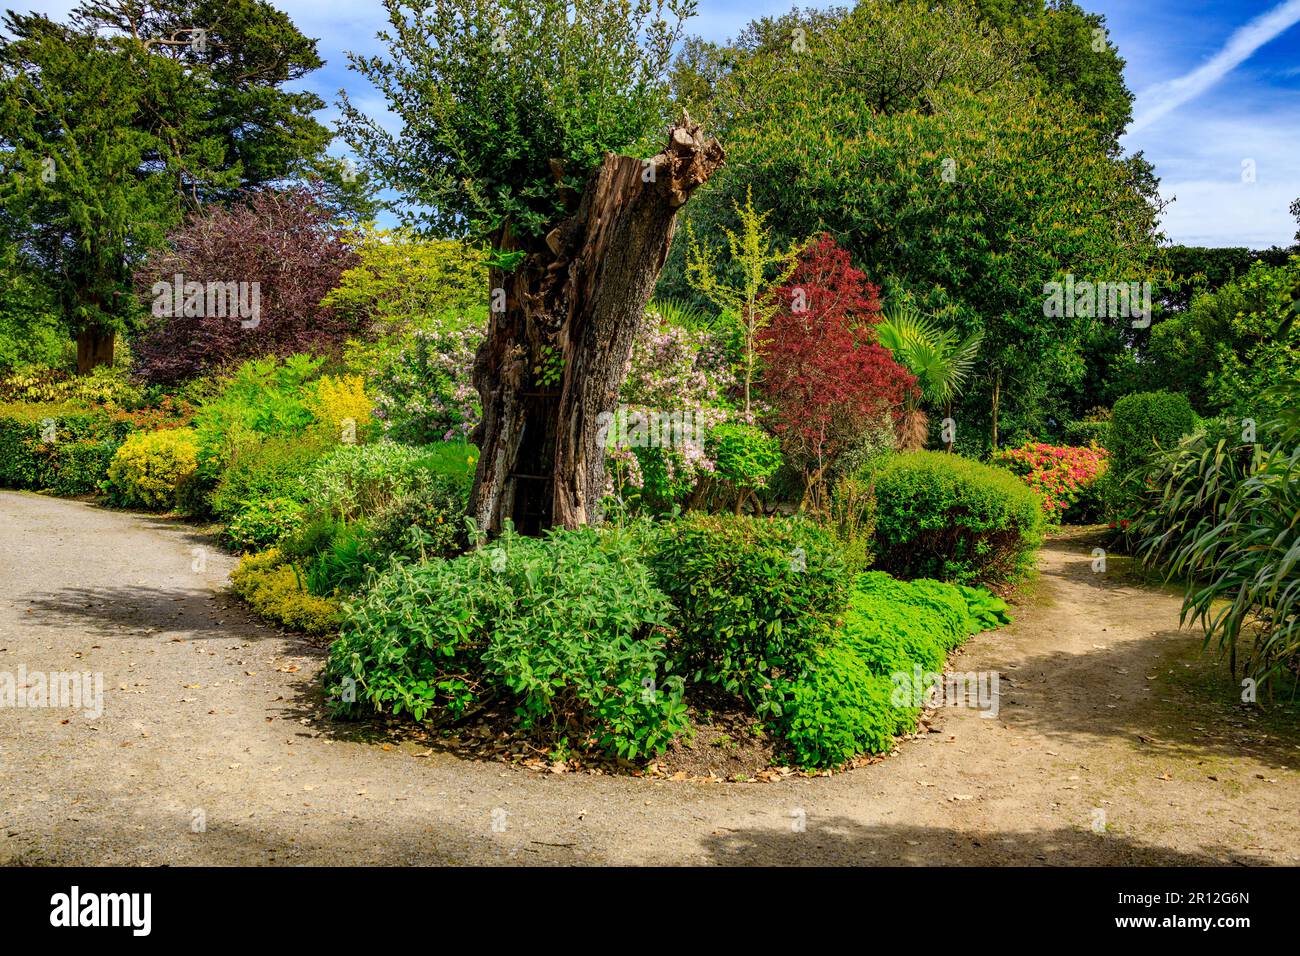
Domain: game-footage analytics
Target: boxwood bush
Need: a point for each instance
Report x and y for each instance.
(754, 599)
(1141, 424)
(943, 516)
(1143, 420)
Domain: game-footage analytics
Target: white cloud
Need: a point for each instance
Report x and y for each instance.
(1199, 155)
(1156, 101)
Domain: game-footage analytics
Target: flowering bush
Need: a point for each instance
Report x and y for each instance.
(1064, 476)
(674, 395)
(422, 388)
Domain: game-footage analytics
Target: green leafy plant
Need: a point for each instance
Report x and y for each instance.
(262, 522)
(987, 610)
(944, 516)
(273, 467)
(851, 515)
(357, 480)
(262, 397)
(744, 458)
(569, 628)
(939, 357)
(846, 704)
(1220, 513)
(754, 598)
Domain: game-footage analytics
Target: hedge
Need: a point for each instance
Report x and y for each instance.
(943, 516)
(74, 462)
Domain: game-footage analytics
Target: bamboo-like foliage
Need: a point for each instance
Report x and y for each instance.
(1225, 516)
(764, 268)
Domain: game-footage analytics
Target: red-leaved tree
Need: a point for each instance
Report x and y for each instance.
(826, 378)
(244, 281)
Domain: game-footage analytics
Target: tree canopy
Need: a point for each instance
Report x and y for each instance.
(956, 172)
(508, 106)
(114, 123)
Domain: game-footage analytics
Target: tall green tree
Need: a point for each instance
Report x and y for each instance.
(924, 139)
(114, 123)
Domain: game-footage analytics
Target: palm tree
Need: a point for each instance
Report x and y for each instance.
(939, 360)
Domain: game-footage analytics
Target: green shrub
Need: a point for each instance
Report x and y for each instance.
(266, 469)
(1086, 432)
(104, 385)
(262, 397)
(568, 627)
(74, 460)
(426, 521)
(1142, 422)
(452, 458)
(343, 564)
(848, 702)
(364, 505)
(852, 519)
(275, 591)
(357, 480)
(262, 522)
(149, 467)
(839, 710)
(942, 516)
(744, 456)
(81, 464)
(754, 598)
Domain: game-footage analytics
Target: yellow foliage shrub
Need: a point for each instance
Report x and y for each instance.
(273, 589)
(149, 467)
(341, 406)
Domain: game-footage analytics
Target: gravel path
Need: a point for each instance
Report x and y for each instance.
(212, 746)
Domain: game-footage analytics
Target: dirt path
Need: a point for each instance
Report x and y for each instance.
(1105, 723)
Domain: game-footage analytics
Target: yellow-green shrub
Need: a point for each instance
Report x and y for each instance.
(150, 466)
(341, 407)
(275, 591)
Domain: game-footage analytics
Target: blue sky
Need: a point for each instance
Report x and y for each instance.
(1217, 84)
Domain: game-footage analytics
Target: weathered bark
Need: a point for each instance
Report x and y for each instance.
(94, 347)
(572, 308)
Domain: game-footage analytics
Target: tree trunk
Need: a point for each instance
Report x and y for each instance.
(94, 347)
(997, 394)
(557, 348)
